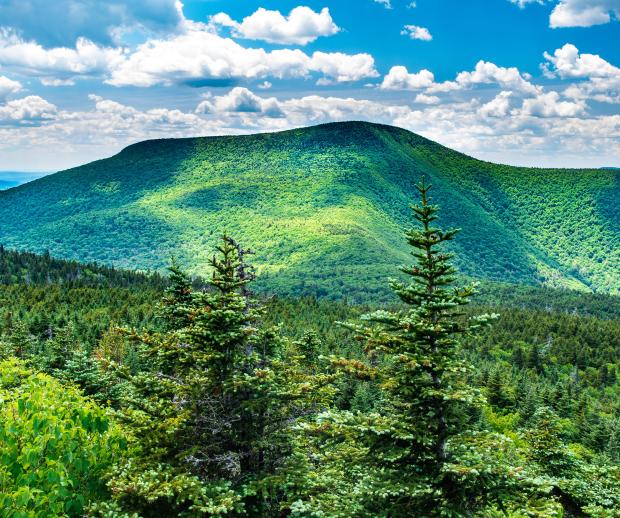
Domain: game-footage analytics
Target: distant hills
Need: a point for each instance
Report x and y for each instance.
(324, 208)
(10, 179)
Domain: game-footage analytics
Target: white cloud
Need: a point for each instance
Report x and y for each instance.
(427, 99)
(399, 78)
(489, 73)
(8, 86)
(569, 63)
(544, 131)
(28, 109)
(603, 78)
(498, 107)
(341, 68)
(201, 57)
(385, 3)
(549, 105)
(59, 23)
(300, 27)
(313, 109)
(583, 13)
(196, 56)
(416, 32)
(241, 100)
(524, 3)
(58, 65)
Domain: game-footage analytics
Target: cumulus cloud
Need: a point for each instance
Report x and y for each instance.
(524, 3)
(416, 32)
(195, 56)
(487, 73)
(399, 78)
(567, 62)
(427, 99)
(602, 78)
(58, 65)
(8, 86)
(583, 13)
(549, 105)
(341, 68)
(314, 109)
(200, 57)
(498, 107)
(59, 23)
(301, 26)
(241, 100)
(26, 110)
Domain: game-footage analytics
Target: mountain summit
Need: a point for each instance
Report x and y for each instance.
(323, 207)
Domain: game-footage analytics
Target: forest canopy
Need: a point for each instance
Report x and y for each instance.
(132, 395)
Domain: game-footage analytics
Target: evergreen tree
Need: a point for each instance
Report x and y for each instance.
(418, 455)
(518, 358)
(19, 341)
(496, 390)
(61, 346)
(534, 359)
(210, 416)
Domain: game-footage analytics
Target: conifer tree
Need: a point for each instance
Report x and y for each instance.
(209, 416)
(423, 374)
(58, 349)
(419, 454)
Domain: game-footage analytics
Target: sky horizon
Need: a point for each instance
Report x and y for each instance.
(522, 82)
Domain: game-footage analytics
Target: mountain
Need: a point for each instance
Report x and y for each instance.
(324, 208)
(10, 179)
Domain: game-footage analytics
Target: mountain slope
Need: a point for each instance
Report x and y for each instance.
(10, 179)
(324, 209)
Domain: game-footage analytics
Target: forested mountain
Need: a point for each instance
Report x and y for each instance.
(324, 208)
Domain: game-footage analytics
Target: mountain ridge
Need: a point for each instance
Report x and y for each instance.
(324, 207)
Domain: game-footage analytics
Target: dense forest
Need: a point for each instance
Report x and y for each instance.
(127, 394)
(323, 207)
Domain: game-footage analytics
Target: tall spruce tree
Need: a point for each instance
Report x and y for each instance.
(420, 454)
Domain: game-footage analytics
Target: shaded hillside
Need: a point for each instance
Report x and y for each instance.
(324, 208)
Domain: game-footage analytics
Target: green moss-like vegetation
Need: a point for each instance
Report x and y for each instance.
(324, 207)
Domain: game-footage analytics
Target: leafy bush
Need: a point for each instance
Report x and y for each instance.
(55, 446)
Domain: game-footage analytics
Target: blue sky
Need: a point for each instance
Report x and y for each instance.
(529, 82)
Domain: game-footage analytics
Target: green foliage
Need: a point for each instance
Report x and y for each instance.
(41, 297)
(55, 446)
(275, 432)
(419, 454)
(209, 415)
(323, 206)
